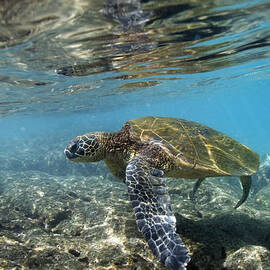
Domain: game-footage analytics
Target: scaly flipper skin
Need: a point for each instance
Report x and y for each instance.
(154, 216)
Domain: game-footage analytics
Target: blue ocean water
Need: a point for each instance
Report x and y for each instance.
(72, 67)
(238, 107)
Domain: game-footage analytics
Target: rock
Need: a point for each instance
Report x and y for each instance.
(262, 178)
(74, 252)
(248, 258)
(49, 220)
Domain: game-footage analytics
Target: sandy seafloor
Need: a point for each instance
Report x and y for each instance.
(59, 215)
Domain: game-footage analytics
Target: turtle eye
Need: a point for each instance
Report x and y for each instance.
(80, 151)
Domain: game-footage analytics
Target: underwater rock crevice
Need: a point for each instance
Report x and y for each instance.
(212, 240)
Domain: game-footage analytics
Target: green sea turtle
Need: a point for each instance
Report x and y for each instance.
(148, 149)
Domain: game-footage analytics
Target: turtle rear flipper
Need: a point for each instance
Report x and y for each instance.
(246, 183)
(154, 216)
(195, 188)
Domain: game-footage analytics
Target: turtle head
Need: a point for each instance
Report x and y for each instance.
(86, 148)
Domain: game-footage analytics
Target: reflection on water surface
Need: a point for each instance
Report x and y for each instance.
(137, 44)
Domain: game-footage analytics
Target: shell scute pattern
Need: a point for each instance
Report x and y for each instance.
(198, 146)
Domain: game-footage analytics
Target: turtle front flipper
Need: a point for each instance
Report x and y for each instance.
(154, 216)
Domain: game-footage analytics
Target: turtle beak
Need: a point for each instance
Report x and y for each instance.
(71, 149)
